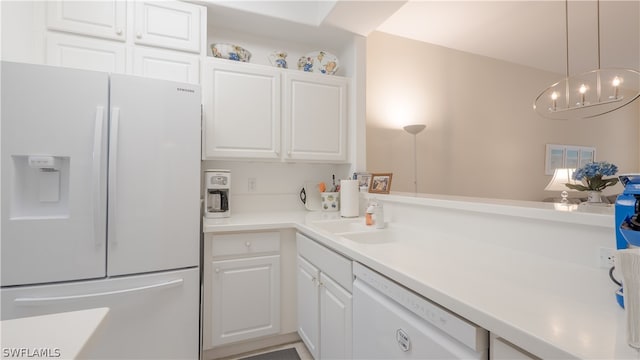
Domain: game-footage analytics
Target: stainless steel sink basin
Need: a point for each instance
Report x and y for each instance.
(343, 226)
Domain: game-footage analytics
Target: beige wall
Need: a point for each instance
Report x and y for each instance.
(482, 138)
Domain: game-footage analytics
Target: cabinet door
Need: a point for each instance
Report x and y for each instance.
(309, 306)
(170, 24)
(85, 53)
(315, 117)
(105, 19)
(335, 320)
(166, 65)
(246, 298)
(501, 349)
(241, 110)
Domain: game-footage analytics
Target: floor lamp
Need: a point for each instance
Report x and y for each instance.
(415, 130)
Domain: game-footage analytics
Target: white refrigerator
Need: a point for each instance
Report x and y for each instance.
(101, 205)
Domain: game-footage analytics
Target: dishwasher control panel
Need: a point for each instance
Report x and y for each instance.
(464, 331)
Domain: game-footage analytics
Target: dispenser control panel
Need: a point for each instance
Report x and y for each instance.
(218, 180)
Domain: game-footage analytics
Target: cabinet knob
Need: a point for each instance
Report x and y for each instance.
(139, 35)
(247, 244)
(217, 270)
(119, 31)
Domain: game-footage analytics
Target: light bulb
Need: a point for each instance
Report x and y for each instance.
(583, 90)
(554, 97)
(616, 81)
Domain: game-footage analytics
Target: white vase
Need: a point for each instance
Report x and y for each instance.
(594, 197)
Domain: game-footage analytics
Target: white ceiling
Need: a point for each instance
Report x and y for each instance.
(531, 33)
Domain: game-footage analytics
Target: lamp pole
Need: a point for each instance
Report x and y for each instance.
(415, 130)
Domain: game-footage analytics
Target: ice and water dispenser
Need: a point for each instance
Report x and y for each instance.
(41, 186)
(217, 187)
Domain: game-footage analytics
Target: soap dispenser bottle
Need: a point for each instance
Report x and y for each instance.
(369, 214)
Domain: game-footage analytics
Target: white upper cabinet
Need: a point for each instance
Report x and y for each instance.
(104, 19)
(315, 109)
(245, 113)
(85, 53)
(158, 39)
(166, 64)
(170, 24)
(241, 110)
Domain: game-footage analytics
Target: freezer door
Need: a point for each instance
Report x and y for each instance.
(150, 316)
(154, 175)
(54, 142)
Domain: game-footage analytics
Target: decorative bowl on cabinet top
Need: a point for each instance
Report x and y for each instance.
(231, 52)
(278, 58)
(322, 62)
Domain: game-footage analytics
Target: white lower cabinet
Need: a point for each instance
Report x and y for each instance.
(309, 306)
(335, 320)
(500, 349)
(324, 300)
(242, 287)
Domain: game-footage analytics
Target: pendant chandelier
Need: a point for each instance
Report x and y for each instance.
(588, 94)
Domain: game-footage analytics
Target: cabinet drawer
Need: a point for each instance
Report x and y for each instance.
(245, 243)
(329, 262)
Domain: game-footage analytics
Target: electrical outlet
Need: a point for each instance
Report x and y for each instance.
(606, 257)
(251, 187)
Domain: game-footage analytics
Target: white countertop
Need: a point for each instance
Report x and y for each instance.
(54, 336)
(551, 308)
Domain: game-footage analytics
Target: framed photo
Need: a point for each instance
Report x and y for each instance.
(380, 183)
(364, 179)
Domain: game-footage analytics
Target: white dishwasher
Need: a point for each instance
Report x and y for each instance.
(392, 322)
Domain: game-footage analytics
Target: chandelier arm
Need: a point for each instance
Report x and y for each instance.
(566, 30)
(598, 15)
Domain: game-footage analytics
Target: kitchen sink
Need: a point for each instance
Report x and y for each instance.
(344, 226)
(355, 230)
(380, 236)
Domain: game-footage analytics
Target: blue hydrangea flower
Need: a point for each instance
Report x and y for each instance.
(591, 176)
(602, 168)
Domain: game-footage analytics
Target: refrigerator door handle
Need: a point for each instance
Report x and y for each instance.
(113, 172)
(34, 301)
(97, 176)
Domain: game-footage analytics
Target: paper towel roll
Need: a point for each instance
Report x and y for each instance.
(628, 263)
(349, 198)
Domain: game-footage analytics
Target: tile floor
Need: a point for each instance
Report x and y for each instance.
(300, 348)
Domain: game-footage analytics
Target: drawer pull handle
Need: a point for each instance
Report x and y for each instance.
(248, 244)
(119, 31)
(139, 35)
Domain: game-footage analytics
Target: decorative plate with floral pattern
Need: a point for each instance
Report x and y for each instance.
(319, 62)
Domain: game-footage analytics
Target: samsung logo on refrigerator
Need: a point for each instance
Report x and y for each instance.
(186, 90)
